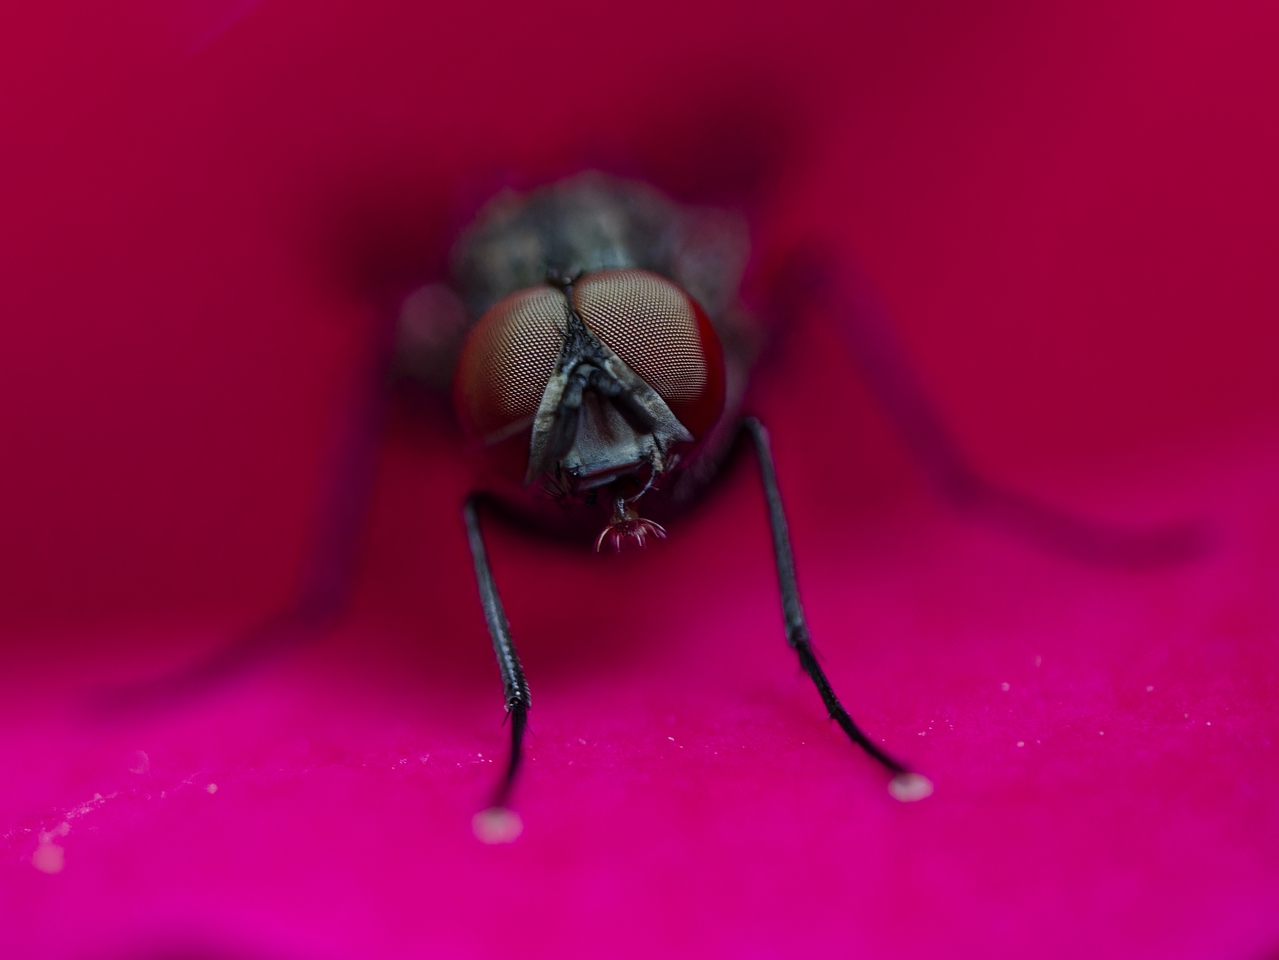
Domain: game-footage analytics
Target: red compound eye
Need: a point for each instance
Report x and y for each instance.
(507, 360)
(649, 322)
(662, 334)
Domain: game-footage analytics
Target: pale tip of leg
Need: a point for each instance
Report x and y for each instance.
(909, 787)
(497, 825)
(48, 858)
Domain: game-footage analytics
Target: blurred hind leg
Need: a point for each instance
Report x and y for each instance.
(814, 281)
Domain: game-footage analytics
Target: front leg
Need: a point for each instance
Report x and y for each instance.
(499, 824)
(905, 785)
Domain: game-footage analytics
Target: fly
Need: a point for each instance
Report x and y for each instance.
(603, 372)
(610, 316)
(598, 352)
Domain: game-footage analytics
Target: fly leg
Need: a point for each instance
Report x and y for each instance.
(328, 573)
(498, 824)
(904, 785)
(813, 281)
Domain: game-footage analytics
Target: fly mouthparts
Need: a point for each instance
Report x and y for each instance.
(628, 527)
(593, 476)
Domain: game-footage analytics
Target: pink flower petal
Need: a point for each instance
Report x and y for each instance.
(1072, 211)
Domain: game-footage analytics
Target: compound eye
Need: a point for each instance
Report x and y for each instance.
(662, 334)
(507, 359)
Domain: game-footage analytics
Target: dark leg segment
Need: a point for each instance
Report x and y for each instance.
(514, 686)
(904, 782)
(812, 280)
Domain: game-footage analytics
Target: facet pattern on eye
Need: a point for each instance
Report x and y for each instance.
(649, 322)
(509, 357)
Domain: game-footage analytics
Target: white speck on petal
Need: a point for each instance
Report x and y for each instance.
(139, 762)
(497, 825)
(49, 858)
(1150, 689)
(1021, 743)
(61, 830)
(212, 788)
(1005, 686)
(1039, 661)
(909, 787)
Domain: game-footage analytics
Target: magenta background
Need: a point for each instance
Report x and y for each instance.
(1073, 212)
